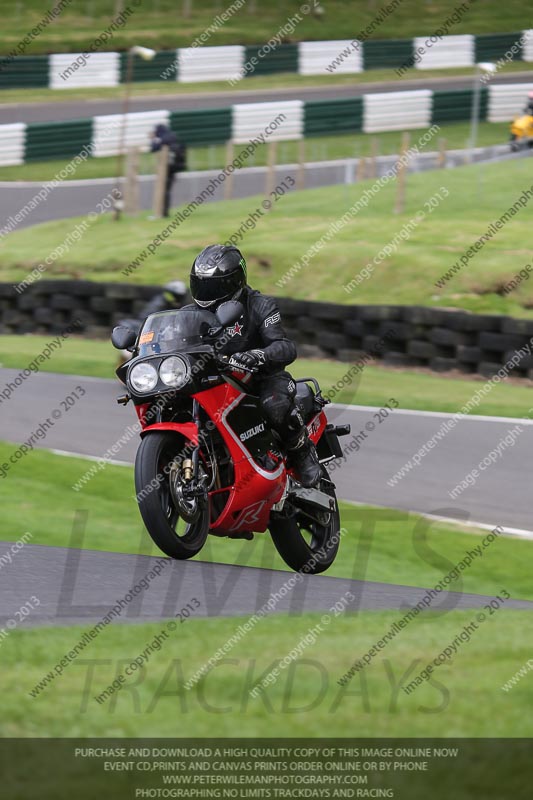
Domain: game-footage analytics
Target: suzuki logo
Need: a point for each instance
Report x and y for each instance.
(252, 432)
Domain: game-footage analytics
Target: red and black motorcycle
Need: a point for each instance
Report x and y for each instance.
(207, 462)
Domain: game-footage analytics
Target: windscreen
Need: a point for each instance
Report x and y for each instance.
(172, 331)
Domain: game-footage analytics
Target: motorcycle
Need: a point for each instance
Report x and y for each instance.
(207, 462)
(522, 132)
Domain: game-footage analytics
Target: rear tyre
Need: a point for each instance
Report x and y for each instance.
(179, 531)
(306, 545)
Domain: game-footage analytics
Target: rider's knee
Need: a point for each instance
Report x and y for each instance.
(277, 410)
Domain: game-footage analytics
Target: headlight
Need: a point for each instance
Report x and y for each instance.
(143, 377)
(174, 371)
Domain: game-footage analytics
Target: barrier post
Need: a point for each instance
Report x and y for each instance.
(131, 191)
(374, 152)
(441, 160)
(160, 181)
(300, 174)
(400, 178)
(228, 183)
(361, 168)
(271, 168)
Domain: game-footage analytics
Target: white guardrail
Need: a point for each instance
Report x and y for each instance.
(227, 63)
(275, 121)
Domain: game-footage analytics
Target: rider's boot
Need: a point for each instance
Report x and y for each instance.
(303, 459)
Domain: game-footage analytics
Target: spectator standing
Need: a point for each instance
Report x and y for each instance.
(177, 158)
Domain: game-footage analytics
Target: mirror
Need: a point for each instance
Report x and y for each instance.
(123, 338)
(229, 312)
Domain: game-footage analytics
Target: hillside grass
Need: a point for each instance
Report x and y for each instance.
(274, 242)
(163, 25)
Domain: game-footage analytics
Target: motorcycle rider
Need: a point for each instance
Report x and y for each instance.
(257, 342)
(529, 107)
(174, 295)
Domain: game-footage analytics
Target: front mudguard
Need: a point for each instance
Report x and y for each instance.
(189, 430)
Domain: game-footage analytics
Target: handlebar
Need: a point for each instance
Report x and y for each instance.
(224, 363)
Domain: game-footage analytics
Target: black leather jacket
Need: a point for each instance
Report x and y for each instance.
(259, 328)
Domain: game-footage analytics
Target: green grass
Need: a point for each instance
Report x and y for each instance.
(162, 26)
(320, 148)
(369, 549)
(76, 357)
(464, 699)
(411, 388)
(275, 242)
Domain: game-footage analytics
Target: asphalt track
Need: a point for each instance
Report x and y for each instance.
(500, 497)
(80, 586)
(82, 109)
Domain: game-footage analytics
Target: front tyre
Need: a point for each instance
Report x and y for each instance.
(178, 530)
(307, 545)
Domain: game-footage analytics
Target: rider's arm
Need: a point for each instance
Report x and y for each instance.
(278, 348)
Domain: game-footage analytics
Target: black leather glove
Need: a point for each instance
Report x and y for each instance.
(250, 361)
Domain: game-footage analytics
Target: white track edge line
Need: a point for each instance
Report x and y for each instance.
(439, 414)
(509, 531)
(69, 454)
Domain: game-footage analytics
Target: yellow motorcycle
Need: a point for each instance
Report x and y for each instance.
(522, 132)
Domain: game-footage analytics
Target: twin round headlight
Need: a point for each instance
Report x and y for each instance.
(173, 372)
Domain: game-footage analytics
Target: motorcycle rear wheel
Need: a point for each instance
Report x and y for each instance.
(304, 545)
(175, 536)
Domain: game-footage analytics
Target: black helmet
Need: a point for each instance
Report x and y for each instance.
(218, 273)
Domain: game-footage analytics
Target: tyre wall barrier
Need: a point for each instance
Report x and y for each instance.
(400, 336)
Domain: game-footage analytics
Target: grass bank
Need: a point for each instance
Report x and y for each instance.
(446, 213)
(414, 389)
(369, 550)
(163, 25)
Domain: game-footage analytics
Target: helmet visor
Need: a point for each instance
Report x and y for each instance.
(211, 289)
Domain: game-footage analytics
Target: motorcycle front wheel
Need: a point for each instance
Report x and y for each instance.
(178, 527)
(307, 545)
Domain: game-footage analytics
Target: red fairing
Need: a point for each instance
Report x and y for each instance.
(255, 489)
(187, 429)
(141, 413)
